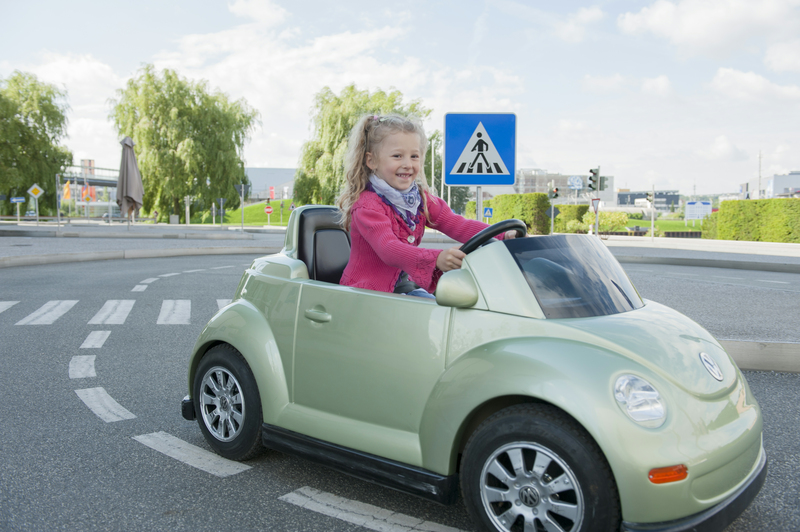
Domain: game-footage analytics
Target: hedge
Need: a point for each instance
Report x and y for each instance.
(530, 208)
(771, 220)
(568, 213)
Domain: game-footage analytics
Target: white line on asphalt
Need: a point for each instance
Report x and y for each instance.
(721, 277)
(191, 455)
(168, 274)
(139, 288)
(95, 340)
(679, 273)
(223, 302)
(638, 271)
(103, 405)
(175, 312)
(776, 282)
(359, 513)
(5, 305)
(192, 271)
(150, 280)
(50, 312)
(81, 367)
(221, 267)
(114, 312)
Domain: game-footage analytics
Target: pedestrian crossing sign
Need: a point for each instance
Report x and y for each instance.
(480, 148)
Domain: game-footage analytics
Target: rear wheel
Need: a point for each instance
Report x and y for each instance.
(228, 404)
(532, 468)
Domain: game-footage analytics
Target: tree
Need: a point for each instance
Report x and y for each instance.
(458, 195)
(188, 140)
(33, 120)
(320, 175)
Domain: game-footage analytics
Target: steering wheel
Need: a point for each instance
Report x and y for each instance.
(492, 231)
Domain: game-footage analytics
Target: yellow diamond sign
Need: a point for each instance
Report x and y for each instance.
(35, 191)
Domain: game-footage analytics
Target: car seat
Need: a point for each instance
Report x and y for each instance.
(322, 244)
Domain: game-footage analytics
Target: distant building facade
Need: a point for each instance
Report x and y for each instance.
(529, 180)
(777, 186)
(665, 200)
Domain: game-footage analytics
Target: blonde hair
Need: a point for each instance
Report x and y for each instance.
(367, 135)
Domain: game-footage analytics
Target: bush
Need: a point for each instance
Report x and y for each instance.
(710, 226)
(575, 226)
(608, 221)
(567, 213)
(771, 220)
(530, 208)
(635, 216)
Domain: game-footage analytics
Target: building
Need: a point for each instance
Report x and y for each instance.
(282, 179)
(777, 186)
(572, 189)
(665, 200)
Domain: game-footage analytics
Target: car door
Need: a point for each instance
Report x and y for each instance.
(368, 356)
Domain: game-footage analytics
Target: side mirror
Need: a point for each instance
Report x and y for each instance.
(457, 288)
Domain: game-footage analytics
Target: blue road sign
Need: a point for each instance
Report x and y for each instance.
(487, 212)
(18, 200)
(480, 149)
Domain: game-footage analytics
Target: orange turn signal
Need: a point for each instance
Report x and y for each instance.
(663, 475)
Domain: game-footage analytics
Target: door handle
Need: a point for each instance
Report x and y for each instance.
(319, 316)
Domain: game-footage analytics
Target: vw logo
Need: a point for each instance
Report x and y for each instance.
(529, 496)
(711, 366)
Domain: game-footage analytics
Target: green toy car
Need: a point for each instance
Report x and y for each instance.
(539, 381)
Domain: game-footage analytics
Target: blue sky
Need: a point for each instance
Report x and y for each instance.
(672, 93)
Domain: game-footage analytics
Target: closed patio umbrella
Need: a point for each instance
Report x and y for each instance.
(129, 184)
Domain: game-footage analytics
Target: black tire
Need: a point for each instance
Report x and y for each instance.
(560, 474)
(231, 417)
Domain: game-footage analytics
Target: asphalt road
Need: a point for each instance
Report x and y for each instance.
(65, 468)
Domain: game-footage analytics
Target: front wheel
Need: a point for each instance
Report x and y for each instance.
(532, 468)
(227, 401)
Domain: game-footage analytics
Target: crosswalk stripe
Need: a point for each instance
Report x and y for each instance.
(103, 405)
(114, 312)
(175, 312)
(191, 455)
(359, 513)
(95, 340)
(5, 305)
(223, 302)
(48, 313)
(82, 367)
(139, 288)
(148, 281)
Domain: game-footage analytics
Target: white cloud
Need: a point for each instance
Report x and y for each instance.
(659, 86)
(574, 28)
(262, 11)
(602, 84)
(751, 86)
(722, 149)
(784, 56)
(713, 26)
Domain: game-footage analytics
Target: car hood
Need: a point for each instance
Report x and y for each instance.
(664, 340)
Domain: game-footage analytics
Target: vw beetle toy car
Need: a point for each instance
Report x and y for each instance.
(538, 381)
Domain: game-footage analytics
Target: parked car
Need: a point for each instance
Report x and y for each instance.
(30, 213)
(538, 381)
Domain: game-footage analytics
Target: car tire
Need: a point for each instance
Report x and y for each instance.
(228, 404)
(532, 462)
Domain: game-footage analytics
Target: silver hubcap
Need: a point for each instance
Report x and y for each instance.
(530, 488)
(221, 404)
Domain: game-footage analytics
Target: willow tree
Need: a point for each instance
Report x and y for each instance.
(33, 121)
(189, 141)
(320, 175)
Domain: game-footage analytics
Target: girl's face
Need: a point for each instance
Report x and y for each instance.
(397, 160)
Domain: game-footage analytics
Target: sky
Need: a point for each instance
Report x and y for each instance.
(677, 94)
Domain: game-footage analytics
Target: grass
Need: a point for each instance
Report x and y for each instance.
(668, 225)
(253, 215)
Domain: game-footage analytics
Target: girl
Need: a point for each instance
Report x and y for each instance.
(386, 205)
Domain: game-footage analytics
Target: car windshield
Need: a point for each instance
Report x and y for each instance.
(574, 276)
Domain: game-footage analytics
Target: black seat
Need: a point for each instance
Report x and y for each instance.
(323, 244)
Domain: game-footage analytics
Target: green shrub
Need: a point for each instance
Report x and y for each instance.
(530, 208)
(635, 216)
(771, 220)
(575, 226)
(567, 213)
(710, 226)
(608, 221)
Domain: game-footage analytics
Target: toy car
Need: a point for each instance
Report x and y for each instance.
(538, 381)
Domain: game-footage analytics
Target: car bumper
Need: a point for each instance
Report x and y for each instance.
(716, 518)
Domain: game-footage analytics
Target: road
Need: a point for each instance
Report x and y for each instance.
(65, 467)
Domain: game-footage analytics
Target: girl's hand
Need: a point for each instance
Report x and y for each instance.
(450, 259)
(510, 234)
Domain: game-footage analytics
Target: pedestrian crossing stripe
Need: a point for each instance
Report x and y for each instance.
(479, 156)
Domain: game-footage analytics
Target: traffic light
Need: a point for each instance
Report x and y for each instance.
(555, 192)
(603, 182)
(650, 197)
(594, 176)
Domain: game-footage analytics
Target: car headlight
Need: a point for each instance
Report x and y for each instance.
(640, 401)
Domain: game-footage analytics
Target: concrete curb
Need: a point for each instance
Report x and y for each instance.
(87, 234)
(710, 263)
(764, 356)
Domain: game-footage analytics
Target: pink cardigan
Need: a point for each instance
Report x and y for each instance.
(381, 247)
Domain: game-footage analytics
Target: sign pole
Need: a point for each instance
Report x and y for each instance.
(17, 212)
(478, 204)
(653, 217)
(58, 204)
(37, 211)
(242, 207)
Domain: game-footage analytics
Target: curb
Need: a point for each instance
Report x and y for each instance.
(710, 263)
(74, 234)
(764, 356)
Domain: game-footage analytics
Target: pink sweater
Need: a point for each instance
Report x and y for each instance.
(381, 247)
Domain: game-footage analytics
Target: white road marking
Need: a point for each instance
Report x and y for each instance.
(95, 340)
(5, 305)
(221, 267)
(766, 281)
(139, 288)
(721, 277)
(114, 312)
(103, 405)
(168, 274)
(175, 312)
(150, 280)
(50, 312)
(223, 302)
(191, 455)
(82, 367)
(192, 271)
(679, 273)
(638, 271)
(359, 513)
